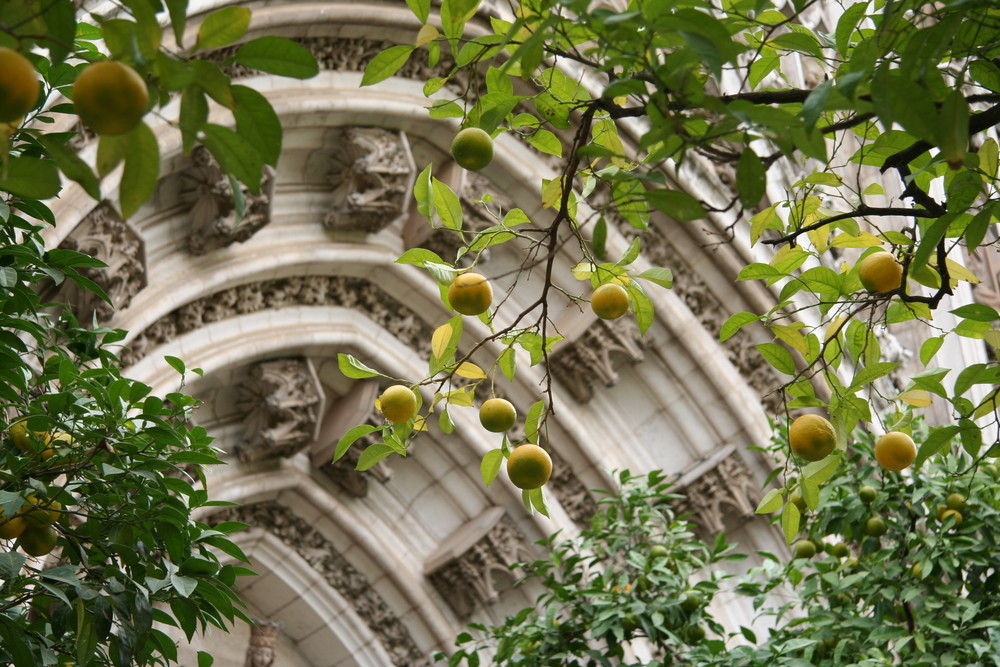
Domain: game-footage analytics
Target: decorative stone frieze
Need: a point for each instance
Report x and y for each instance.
(282, 401)
(573, 496)
(472, 566)
(324, 558)
(349, 292)
(104, 235)
(372, 173)
(590, 359)
(343, 472)
(263, 639)
(724, 490)
(214, 221)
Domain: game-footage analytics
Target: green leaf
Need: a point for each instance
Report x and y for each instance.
(790, 520)
(815, 104)
(223, 27)
(869, 374)
(735, 323)
(30, 177)
(278, 55)
(142, 170)
(420, 8)
(234, 154)
(386, 63)
(350, 438)
(677, 204)
(658, 275)
(820, 471)
(71, 165)
(257, 123)
(422, 193)
(976, 311)
(373, 454)
(766, 219)
(353, 368)
(193, 116)
(506, 361)
(532, 421)
(447, 205)
(490, 466)
(537, 498)
(751, 178)
(777, 356)
(418, 256)
(929, 348)
(183, 585)
(60, 20)
(178, 18)
(205, 659)
(771, 502)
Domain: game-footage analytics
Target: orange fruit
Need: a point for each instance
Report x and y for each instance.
(895, 451)
(472, 148)
(31, 442)
(18, 85)
(880, 272)
(812, 437)
(41, 512)
(470, 294)
(11, 528)
(37, 540)
(497, 415)
(529, 466)
(609, 301)
(398, 403)
(110, 97)
(955, 513)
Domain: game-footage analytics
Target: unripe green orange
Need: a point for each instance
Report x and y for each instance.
(398, 403)
(19, 85)
(497, 415)
(529, 466)
(609, 301)
(110, 97)
(472, 148)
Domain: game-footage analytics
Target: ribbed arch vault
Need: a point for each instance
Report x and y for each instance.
(264, 310)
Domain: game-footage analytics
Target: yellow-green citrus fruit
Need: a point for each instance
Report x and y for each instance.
(691, 600)
(880, 272)
(840, 550)
(875, 527)
(867, 494)
(41, 512)
(29, 442)
(800, 502)
(11, 528)
(804, 549)
(110, 97)
(895, 451)
(37, 540)
(398, 403)
(470, 294)
(955, 501)
(497, 415)
(529, 466)
(609, 301)
(953, 513)
(472, 148)
(812, 437)
(18, 85)
(658, 551)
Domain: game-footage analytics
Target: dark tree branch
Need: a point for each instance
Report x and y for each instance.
(860, 212)
(977, 123)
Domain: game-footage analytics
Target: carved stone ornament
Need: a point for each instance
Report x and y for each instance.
(214, 220)
(372, 173)
(985, 263)
(263, 638)
(591, 357)
(349, 292)
(719, 491)
(282, 401)
(313, 547)
(472, 566)
(573, 496)
(104, 235)
(343, 472)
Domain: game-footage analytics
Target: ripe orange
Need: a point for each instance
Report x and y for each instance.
(41, 512)
(18, 85)
(895, 451)
(31, 442)
(110, 97)
(497, 415)
(11, 528)
(470, 294)
(472, 148)
(880, 272)
(609, 301)
(529, 467)
(398, 403)
(812, 437)
(37, 540)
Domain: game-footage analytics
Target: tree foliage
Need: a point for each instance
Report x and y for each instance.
(116, 469)
(893, 149)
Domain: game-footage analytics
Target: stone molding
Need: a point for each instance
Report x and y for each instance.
(465, 568)
(104, 235)
(721, 488)
(282, 402)
(263, 638)
(321, 555)
(208, 191)
(573, 495)
(372, 173)
(315, 290)
(590, 359)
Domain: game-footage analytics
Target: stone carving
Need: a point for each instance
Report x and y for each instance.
(986, 265)
(476, 217)
(283, 401)
(104, 235)
(263, 638)
(214, 221)
(349, 292)
(590, 358)
(472, 567)
(313, 547)
(343, 473)
(727, 490)
(372, 174)
(573, 496)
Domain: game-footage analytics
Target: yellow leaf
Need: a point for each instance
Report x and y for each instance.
(552, 193)
(583, 271)
(427, 34)
(992, 337)
(862, 240)
(766, 219)
(959, 272)
(786, 252)
(461, 397)
(440, 340)
(989, 405)
(820, 237)
(469, 370)
(420, 423)
(918, 398)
